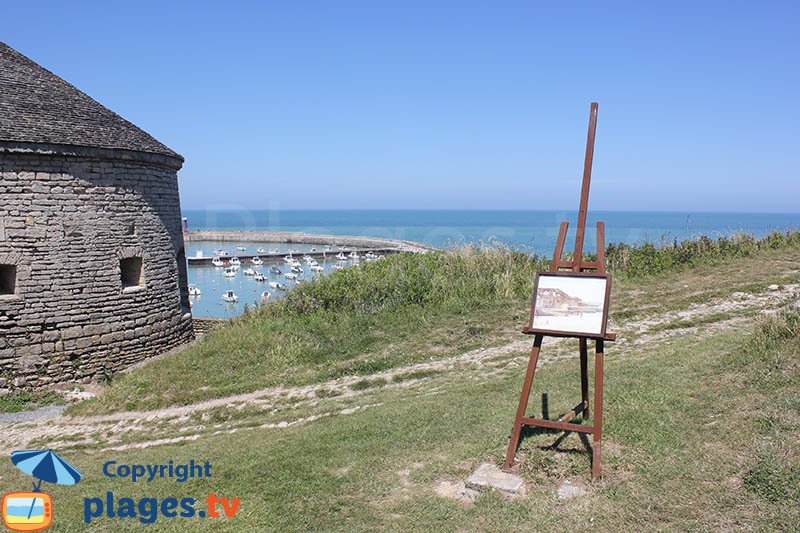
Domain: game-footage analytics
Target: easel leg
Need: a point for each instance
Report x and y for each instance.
(523, 402)
(584, 378)
(597, 422)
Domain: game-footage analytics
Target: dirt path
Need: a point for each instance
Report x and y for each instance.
(281, 405)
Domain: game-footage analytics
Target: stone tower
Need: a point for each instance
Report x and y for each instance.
(92, 263)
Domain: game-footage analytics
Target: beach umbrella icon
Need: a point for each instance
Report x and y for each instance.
(45, 465)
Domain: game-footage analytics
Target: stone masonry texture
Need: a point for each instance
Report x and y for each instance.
(68, 220)
(81, 189)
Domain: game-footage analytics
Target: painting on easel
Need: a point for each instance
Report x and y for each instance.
(570, 304)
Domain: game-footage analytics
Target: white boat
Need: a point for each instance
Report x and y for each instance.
(317, 268)
(261, 251)
(259, 277)
(193, 290)
(341, 257)
(235, 261)
(257, 261)
(217, 262)
(241, 248)
(230, 297)
(294, 264)
(297, 269)
(229, 272)
(273, 250)
(275, 270)
(354, 255)
(249, 272)
(290, 275)
(313, 249)
(288, 259)
(222, 253)
(307, 258)
(276, 285)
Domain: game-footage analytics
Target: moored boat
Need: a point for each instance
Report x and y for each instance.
(230, 297)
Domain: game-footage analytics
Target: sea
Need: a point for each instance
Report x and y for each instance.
(533, 232)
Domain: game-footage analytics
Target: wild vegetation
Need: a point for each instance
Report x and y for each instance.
(405, 309)
(700, 426)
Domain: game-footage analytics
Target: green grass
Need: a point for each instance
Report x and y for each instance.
(27, 400)
(411, 308)
(700, 434)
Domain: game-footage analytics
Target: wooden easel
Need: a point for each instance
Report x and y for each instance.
(577, 264)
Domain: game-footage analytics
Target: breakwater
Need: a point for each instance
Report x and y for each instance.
(289, 237)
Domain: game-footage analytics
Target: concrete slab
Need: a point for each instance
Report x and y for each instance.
(489, 476)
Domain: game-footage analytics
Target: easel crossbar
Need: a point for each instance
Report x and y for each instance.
(554, 424)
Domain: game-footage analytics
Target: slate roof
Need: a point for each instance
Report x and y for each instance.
(36, 106)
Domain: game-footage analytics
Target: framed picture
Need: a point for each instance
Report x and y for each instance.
(570, 304)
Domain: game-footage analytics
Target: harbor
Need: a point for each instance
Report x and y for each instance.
(267, 257)
(230, 271)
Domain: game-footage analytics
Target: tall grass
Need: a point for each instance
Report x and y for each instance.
(468, 275)
(648, 258)
(471, 276)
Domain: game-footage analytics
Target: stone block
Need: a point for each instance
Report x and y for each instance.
(488, 476)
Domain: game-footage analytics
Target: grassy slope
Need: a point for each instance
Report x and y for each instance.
(408, 309)
(700, 434)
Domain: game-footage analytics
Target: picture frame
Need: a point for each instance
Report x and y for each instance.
(570, 304)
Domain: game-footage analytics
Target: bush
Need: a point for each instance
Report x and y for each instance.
(648, 259)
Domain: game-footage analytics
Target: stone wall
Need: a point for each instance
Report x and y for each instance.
(204, 325)
(68, 216)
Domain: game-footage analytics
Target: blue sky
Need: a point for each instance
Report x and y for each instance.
(441, 104)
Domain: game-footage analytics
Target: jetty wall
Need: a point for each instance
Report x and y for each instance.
(303, 238)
